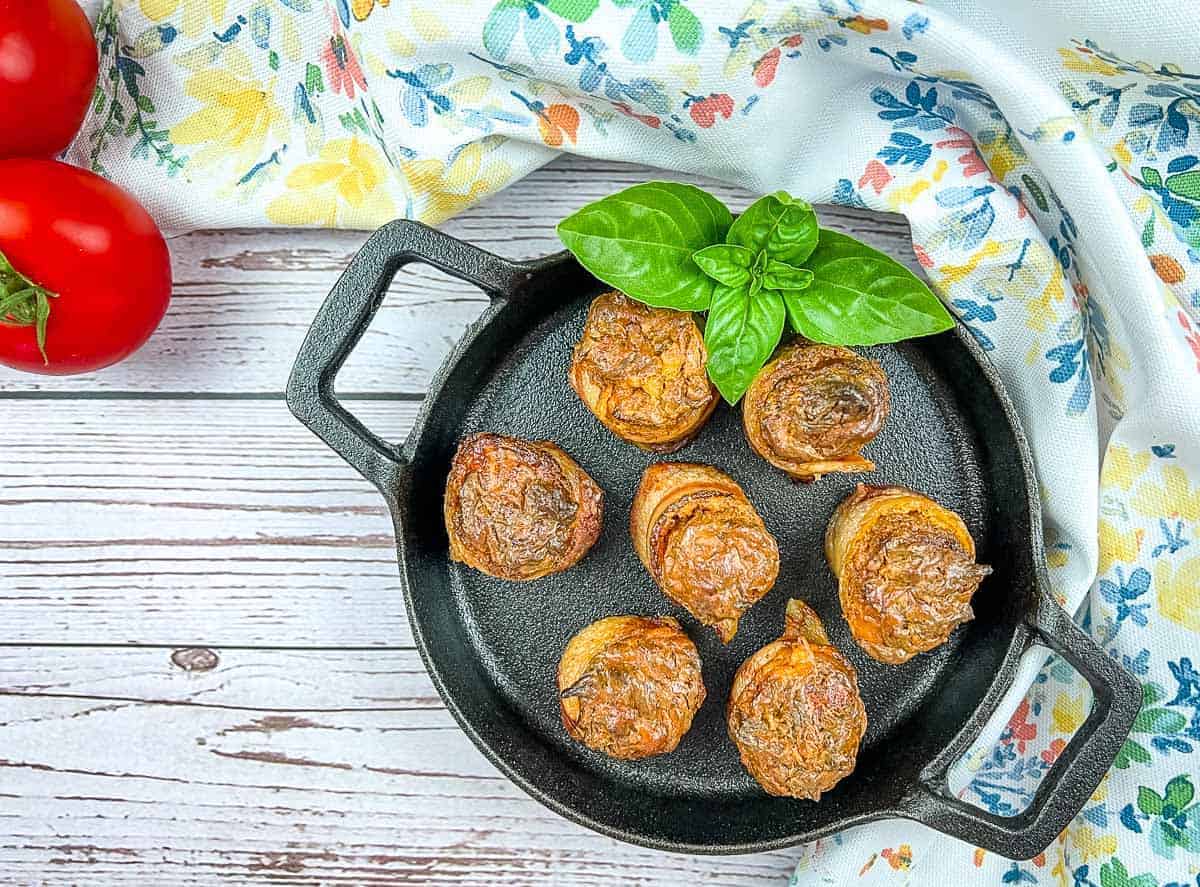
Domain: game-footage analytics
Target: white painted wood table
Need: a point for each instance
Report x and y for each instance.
(206, 672)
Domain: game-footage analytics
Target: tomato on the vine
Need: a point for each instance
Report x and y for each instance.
(48, 67)
(85, 275)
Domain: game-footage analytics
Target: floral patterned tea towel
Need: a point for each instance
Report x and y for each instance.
(1046, 153)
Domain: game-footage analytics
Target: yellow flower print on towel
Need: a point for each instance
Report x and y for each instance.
(1122, 467)
(472, 174)
(363, 8)
(1083, 61)
(345, 186)
(237, 116)
(1117, 546)
(1091, 844)
(1022, 270)
(1002, 152)
(196, 16)
(1177, 585)
(1174, 498)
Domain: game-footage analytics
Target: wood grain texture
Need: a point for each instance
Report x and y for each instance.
(192, 522)
(278, 766)
(206, 673)
(243, 299)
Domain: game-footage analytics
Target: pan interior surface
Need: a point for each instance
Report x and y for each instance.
(494, 646)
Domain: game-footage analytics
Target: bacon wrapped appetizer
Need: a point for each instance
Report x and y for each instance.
(906, 570)
(641, 371)
(518, 509)
(794, 710)
(703, 542)
(812, 408)
(629, 686)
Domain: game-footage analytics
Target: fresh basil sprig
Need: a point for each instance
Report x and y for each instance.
(725, 263)
(859, 296)
(780, 226)
(675, 246)
(641, 241)
(742, 330)
(754, 268)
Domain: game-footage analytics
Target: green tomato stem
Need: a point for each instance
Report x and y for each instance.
(24, 303)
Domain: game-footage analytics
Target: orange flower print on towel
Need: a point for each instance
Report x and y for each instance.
(707, 110)
(864, 25)
(363, 8)
(1021, 729)
(342, 70)
(900, 859)
(876, 175)
(557, 123)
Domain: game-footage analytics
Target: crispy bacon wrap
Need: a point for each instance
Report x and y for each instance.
(629, 686)
(794, 710)
(812, 408)
(641, 371)
(703, 542)
(906, 570)
(519, 509)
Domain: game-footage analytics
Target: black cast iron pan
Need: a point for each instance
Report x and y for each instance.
(492, 646)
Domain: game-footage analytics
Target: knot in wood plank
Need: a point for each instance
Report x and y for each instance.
(195, 659)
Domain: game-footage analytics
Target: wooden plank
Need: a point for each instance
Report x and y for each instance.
(243, 299)
(234, 678)
(278, 766)
(192, 522)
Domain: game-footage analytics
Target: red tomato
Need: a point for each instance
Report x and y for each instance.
(91, 245)
(48, 67)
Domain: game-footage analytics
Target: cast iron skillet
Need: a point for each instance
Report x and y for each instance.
(492, 646)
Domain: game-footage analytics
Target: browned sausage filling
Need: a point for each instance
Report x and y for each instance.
(641, 371)
(715, 558)
(910, 586)
(795, 713)
(812, 409)
(703, 542)
(629, 686)
(906, 570)
(519, 509)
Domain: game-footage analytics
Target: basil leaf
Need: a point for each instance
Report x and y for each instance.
(740, 334)
(725, 263)
(782, 226)
(779, 276)
(859, 296)
(641, 241)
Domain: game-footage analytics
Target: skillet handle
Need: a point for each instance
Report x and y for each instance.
(1074, 776)
(344, 317)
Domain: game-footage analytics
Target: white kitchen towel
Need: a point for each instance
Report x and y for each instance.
(1044, 151)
